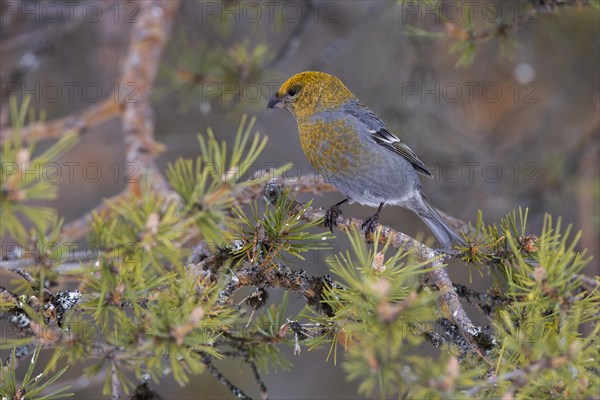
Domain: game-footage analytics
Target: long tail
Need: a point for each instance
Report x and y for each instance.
(444, 234)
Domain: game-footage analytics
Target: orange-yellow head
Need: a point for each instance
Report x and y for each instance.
(309, 92)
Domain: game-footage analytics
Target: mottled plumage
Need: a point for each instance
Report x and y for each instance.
(348, 144)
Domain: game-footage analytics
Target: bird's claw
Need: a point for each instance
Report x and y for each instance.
(369, 225)
(331, 216)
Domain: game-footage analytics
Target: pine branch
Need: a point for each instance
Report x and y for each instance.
(243, 194)
(280, 276)
(33, 283)
(470, 332)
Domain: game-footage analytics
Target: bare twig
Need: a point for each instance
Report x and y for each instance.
(235, 391)
(35, 285)
(51, 31)
(115, 383)
(261, 384)
(148, 37)
(292, 42)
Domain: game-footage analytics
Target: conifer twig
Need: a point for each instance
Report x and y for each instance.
(300, 282)
(520, 377)
(148, 38)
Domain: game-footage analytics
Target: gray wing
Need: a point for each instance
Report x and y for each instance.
(377, 131)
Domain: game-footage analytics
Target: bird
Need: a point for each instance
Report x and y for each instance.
(354, 150)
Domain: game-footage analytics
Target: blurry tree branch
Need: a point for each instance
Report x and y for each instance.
(292, 42)
(552, 5)
(148, 38)
(467, 37)
(44, 40)
(79, 123)
(52, 30)
(585, 161)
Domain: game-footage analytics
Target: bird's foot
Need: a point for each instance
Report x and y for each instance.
(331, 216)
(369, 225)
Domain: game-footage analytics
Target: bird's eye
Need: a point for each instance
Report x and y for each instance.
(292, 92)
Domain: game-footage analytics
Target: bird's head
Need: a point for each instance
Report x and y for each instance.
(308, 92)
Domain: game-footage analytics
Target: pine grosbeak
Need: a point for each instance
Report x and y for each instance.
(349, 145)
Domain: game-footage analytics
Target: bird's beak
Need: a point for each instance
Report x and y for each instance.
(275, 102)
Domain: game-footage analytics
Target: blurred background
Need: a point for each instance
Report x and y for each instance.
(504, 119)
